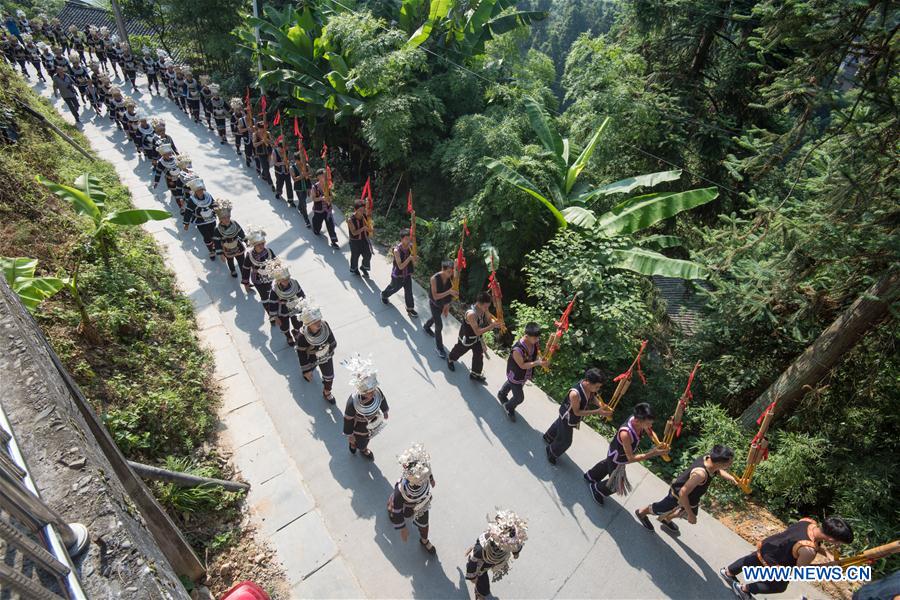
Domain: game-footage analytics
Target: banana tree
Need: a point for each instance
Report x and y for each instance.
(466, 26)
(88, 199)
(19, 274)
(570, 201)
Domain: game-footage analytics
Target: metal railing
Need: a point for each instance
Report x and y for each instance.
(37, 542)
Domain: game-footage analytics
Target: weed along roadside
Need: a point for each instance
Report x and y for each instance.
(133, 349)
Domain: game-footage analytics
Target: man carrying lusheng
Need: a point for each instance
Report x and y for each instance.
(797, 546)
(523, 358)
(440, 295)
(683, 499)
(476, 324)
(575, 407)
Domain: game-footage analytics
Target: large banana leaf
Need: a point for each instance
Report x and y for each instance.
(647, 262)
(579, 216)
(661, 241)
(410, 11)
(641, 212)
(509, 175)
(540, 122)
(90, 185)
(17, 268)
(136, 216)
(580, 163)
(81, 202)
(623, 186)
(35, 290)
(439, 10)
(514, 20)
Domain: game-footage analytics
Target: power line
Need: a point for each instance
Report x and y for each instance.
(557, 113)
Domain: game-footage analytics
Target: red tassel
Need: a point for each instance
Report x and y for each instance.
(460, 259)
(763, 414)
(277, 119)
(297, 128)
(324, 152)
(409, 205)
(262, 102)
(278, 141)
(466, 226)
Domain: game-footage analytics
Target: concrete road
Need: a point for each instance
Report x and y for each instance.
(324, 509)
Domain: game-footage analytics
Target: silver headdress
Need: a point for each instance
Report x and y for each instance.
(26, 37)
(416, 463)
(129, 102)
(104, 30)
(275, 269)
(214, 89)
(187, 70)
(363, 375)
(508, 531)
(161, 53)
(157, 123)
(183, 161)
(236, 104)
(196, 184)
(308, 310)
(115, 91)
(203, 79)
(20, 13)
(73, 28)
(223, 208)
(255, 235)
(74, 58)
(145, 50)
(164, 149)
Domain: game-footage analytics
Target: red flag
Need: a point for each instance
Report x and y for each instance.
(494, 284)
(305, 155)
(460, 259)
(409, 206)
(367, 195)
(563, 323)
(297, 128)
(262, 102)
(324, 152)
(277, 119)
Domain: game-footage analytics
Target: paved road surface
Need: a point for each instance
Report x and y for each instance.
(323, 509)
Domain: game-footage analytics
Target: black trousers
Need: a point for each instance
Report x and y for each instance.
(324, 217)
(598, 474)
(73, 105)
(360, 248)
(132, 77)
(518, 395)
(301, 200)
(232, 260)
(37, 67)
(262, 165)
(759, 587)
(394, 287)
(152, 81)
(477, 355)
(560, 436)
(326, 369)
(436, 322)
(194, 108)
(283, 180)
(207, 230)
(220, 128)
(287, 323)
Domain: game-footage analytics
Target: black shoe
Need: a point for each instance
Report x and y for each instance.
(412, 312)
(442, 353)
(478, 377)
(291, 203)
(550, 458)
(385, 300)
(729, 579)
(222, 142)
(234, 273)
(355, 272)
(512, 417)
(736, 588)
(450, 365)
(644, 519)
(278, 197)
(308, 225)
(352, 449)
(670, 527)
(329, 398)
(598, 497)
(334, 244)
(365, 273)
(429, 330)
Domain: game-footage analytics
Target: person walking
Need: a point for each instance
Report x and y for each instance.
(360, 245)
(64, 86)
(200, 209)
(254, 260)
(411, 497)
(315, 346)
(366, 412)
(796, 546)
(229, 238)
(683, 499)
(300, 178)
(476, 323)
(401, 274)
(440, 295)
(575, 407)
(284, 290)
(608, 475)
(523, 358)
(488, 559)
(323, 212)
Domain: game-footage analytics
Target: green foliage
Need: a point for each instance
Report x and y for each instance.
(19, 274)
(202, 498)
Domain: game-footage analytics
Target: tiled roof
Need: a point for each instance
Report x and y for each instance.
(82, 14)
(685, 304)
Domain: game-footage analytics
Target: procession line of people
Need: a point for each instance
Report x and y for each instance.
(286, 306)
